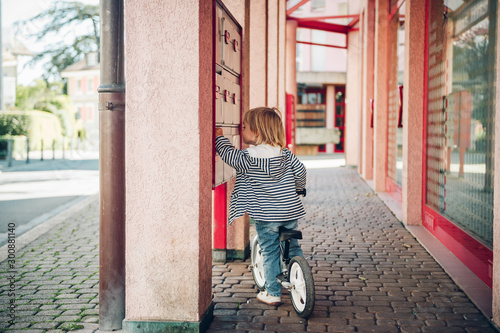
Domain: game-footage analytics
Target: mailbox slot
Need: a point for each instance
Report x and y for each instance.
(227, 90)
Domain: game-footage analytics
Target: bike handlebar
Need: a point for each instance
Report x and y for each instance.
(301, 192)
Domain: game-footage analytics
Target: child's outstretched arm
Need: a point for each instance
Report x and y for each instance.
(230, 155)
(299, 173)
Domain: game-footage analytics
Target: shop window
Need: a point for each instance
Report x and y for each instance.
(339, 121)
(460, 115)
(311, 111)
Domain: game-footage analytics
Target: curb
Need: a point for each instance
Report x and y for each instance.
(41, 229)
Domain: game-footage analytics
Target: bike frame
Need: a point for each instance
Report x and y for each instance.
(285, 257)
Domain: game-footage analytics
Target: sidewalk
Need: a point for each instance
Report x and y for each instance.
(371, 274)
(36, 163)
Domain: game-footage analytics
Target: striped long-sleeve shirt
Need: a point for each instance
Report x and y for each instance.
(265, 187)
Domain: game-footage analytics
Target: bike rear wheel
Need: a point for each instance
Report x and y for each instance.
(258, 265)
(302, 291)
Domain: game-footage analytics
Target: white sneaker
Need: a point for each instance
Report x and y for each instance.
(264, 297)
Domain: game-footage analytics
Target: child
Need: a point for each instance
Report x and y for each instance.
(267, 178)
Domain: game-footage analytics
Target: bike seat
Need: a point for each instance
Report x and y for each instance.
(286, 234)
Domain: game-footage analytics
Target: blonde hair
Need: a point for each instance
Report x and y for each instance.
(266, 123)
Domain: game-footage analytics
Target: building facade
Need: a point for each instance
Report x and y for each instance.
(225, 57)
(321, 75)
(83, 81)
(426, 81)
(419, 116)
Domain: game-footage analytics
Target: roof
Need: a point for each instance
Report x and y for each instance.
(81, 66)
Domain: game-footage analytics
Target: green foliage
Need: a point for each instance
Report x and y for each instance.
(70, 327)
(18, 147)
(48, 96)
(45, 126)
(62, 19)
(41, 95)
(14, 124)
(41, 126)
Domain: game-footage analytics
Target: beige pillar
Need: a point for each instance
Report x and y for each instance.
(169, 142)
(413, 113)
(291, 55)
(272, 53)
(381, 96)
(330, 113)
(368, 84)
(496, 202)
(352, 135)
(258, 53)
(281, 55)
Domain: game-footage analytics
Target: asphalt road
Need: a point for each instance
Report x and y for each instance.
(31, 194)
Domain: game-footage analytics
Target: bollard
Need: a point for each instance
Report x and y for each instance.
(41, 158)
(27, 150)
(10, 145)
(53, 149)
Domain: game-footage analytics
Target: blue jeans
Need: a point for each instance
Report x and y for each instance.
(269, 241)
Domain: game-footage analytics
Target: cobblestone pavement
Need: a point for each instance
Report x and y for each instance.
(371, 275)
(56, 279)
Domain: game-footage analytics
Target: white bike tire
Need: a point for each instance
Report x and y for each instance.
(257, 261)
(302, 293)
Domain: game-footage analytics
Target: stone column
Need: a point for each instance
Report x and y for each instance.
(381, 95)
(169, 144)
(368, 36)
(413, 90)
(291, 55)
(352, 137)
(272, 53)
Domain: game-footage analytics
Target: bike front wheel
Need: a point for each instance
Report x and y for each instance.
(258, 265)
(302, 290)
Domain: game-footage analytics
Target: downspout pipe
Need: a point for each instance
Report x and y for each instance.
(112, 167)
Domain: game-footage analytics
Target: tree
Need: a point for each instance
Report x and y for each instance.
(62, 20)
(14, 124)
(48, 96)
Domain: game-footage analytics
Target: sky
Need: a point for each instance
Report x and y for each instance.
(15, 10)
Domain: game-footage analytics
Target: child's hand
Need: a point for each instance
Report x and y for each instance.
(218, 131)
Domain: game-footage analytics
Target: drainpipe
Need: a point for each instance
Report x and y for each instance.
(112, 168)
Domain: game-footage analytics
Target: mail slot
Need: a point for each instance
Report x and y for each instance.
(227, 90)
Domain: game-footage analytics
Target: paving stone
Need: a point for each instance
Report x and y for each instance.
(49, 313)
(45, 325)
(366, 279)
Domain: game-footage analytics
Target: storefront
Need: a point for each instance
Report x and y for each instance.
(428, 121)
(459, 128)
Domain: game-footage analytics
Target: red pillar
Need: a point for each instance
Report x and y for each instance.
(290, 121)
(220, 223)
